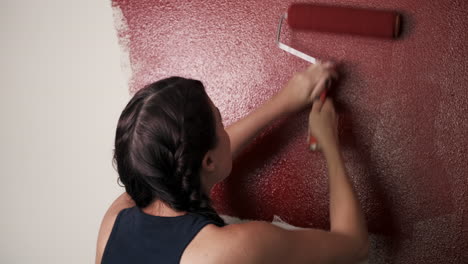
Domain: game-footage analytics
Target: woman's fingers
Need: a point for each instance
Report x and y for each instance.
(319, 87)
(311, 68)
(317, 106)
(322, 68)
(329, 68)
(329, 65)
(328, 106)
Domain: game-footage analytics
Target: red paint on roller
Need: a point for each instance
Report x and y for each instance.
(336, 19)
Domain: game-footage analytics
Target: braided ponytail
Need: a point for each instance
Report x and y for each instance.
(196, 200)
(162, 136)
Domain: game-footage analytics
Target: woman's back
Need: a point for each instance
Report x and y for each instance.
(138, 237)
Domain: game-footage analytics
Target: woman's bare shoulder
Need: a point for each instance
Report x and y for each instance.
(264, 242)
(245, 242)
(107, 223)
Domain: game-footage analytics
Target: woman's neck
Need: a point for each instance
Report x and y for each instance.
(159, 208)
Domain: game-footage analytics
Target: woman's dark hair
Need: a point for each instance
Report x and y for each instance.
(162, 136)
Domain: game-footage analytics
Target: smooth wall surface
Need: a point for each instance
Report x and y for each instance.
(403, 105)
(62, 91)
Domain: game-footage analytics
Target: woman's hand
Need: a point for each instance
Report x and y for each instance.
(323, 123)
(305, 86)
(299, 92)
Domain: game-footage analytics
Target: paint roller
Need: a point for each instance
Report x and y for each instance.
(337, 20)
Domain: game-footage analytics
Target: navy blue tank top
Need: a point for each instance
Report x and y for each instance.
(139, 238)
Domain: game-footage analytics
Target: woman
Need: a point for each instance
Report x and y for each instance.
(171, 148)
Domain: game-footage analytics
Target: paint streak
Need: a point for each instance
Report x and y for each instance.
(403, 105)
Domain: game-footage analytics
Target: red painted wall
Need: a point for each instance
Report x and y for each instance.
(403, 104)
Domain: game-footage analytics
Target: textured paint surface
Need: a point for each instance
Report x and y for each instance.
(403, 106)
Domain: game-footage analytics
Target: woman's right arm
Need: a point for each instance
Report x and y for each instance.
(346, 242)
(346, 215)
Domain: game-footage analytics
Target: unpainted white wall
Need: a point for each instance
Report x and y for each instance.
(62, 91)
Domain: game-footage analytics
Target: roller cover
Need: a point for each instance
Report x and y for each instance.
(364, 22)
